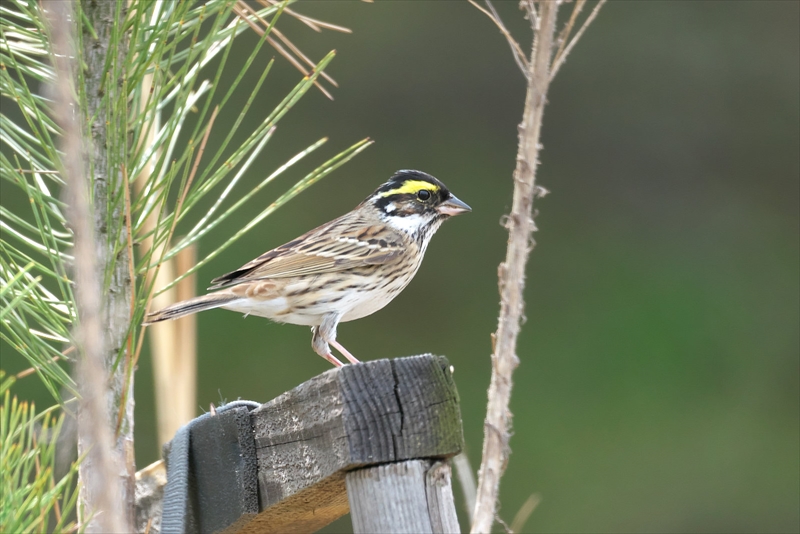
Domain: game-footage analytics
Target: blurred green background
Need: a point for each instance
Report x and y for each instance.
(659, 382)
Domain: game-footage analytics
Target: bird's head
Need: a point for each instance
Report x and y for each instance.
(415, 202)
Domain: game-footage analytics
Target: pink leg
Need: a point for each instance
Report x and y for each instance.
(344, 351)
(331, 358)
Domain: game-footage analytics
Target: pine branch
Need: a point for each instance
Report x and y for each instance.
(102, 488)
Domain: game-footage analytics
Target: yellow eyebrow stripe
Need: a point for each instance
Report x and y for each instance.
(411, 187)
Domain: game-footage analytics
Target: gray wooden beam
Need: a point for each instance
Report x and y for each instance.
(283, 466)
(376, 412)
(441, 504)
(413, 497)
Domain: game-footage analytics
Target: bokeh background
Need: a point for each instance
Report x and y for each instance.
(659, 382)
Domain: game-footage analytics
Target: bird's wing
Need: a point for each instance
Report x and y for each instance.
(345, 243)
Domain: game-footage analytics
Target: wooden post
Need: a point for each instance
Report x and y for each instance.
(414, 496)
(367, 436)
(377, 412)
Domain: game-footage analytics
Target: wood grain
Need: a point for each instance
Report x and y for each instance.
(412, 497)
(400, 415)
(377, 412)
(441, 504)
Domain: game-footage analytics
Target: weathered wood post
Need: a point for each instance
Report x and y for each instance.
(414, 496)
(367, 438)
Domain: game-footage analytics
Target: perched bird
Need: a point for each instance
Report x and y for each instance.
(343, 270)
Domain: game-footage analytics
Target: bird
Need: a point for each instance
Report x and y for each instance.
(341, 271)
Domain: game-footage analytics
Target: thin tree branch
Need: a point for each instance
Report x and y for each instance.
(530, 13)
(559, 60)
(102, 487)
(519, 55)
(184, 358)
(105, 110)
(30, 370)
(512, 274)
(563, 35)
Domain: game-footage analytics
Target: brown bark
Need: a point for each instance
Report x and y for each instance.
(101, 489)
(93, 155)
(511, 273)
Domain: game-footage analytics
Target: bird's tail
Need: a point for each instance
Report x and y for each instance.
(188, 307)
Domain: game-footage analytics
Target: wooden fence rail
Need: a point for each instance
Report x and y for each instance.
(366, 439)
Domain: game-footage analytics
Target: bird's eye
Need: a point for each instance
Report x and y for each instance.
(423, 194)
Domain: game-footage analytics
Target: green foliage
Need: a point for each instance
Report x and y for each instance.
(168, 73)
(32, 499)
(158, 100)
(35, 292)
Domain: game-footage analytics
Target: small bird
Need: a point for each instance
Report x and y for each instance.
(341, 271)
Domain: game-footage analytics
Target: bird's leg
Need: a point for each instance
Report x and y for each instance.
(346, 353)
(321, 347)
(333, 359)
(328, 332)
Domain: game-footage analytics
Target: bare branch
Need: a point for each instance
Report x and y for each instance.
(563, 36)
(102, 491)
(519, 56)
(511, 274)
(559, 60)
(530, 13)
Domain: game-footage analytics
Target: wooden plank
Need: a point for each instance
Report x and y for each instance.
(415, 496)
(377, 412)
(441, 504)
(390, 498)
(308, 510)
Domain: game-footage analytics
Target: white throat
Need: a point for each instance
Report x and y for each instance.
(410, 224)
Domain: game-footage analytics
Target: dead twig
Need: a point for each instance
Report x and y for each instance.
(511, 273)
(175, 405)
(530, 12)
(516, 50)
(563, 36)
(559, 60)
(30, 370)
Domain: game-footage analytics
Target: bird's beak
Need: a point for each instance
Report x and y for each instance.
(452, 206)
